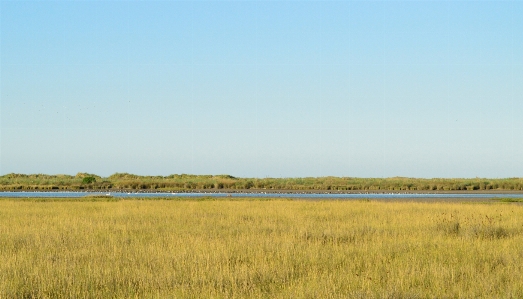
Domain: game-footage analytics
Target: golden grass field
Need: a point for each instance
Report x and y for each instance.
(260, 249)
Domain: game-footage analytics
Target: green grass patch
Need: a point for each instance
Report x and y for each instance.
(507, 199)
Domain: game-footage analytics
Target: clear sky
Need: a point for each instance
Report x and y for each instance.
(262, 88)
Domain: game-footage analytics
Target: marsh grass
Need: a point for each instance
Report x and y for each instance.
(474, 226)
(255, 249)
(127, 181)
(507, 199)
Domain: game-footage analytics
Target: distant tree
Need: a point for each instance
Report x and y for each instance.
(88, 180)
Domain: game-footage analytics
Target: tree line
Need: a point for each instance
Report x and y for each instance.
(185, 182)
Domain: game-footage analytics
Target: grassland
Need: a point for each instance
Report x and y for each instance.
(259, 249)
(185, 182)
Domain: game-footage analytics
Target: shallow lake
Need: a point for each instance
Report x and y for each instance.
(325, 195)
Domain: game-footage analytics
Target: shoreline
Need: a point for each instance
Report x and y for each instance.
(271, 191)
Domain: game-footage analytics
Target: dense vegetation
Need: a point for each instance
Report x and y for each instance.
(254, 249)
(127, 181)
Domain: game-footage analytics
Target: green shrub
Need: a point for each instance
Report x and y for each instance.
(88, 180)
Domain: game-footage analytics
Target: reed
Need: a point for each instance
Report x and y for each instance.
(126, 181)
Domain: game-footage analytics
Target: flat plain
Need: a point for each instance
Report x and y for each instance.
(260, 249)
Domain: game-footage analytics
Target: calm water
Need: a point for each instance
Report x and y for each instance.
(273, 195)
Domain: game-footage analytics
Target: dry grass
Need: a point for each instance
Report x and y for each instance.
(271, 249)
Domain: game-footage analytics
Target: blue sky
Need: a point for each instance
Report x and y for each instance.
(262, 88)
